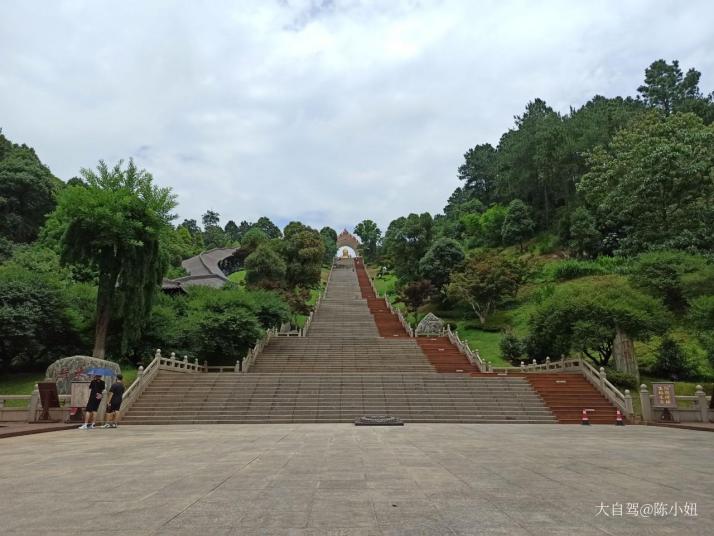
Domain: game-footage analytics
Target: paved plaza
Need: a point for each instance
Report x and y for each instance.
(315, 479)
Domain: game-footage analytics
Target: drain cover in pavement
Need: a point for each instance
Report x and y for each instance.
(378, 420)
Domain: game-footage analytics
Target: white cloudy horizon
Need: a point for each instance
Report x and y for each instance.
(325, 112)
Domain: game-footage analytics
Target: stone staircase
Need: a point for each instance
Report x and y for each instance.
(567, 394)
(175, 398)
(444, 356)
(349, 365)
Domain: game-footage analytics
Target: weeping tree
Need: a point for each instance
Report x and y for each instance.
(115, 226)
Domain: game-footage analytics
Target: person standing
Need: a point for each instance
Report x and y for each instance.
(116, 393)
(96, 392)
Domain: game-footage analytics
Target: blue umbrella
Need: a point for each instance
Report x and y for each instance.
(100, 372)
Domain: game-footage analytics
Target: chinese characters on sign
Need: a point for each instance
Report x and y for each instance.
(647, 510)
(664, 395)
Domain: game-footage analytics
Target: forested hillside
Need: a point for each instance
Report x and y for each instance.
(574, 228)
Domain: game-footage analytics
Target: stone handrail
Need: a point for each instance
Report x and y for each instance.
(400, 316)
(254, 352)
(146, 375)
(598, 378)
(473, 356)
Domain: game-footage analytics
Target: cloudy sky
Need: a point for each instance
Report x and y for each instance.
(327, 112)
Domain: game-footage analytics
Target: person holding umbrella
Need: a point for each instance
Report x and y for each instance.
(96, 392)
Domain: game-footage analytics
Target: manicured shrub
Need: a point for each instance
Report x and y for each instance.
(511, 347)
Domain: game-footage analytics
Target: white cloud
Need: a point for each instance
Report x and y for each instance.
(329, 112)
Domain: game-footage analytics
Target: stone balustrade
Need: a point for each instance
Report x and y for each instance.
(696, 408)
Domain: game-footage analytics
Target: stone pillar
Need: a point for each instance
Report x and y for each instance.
(623, 350)
(629, 409)
(646, 403)
(33, 405)
(702, 403)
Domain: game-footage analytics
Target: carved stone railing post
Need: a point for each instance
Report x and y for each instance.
(237, 367)
(33, 406)
(629, 408)
(646, 403)
(547, 363)
(702, 403)
(603, 377)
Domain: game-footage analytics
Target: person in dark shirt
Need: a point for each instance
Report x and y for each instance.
(96, 392)
(116, 392)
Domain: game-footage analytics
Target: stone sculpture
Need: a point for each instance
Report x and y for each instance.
(430, 325)
(68, 369)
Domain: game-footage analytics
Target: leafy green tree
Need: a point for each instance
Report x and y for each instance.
(265, 268)
(329, 238)
(115, 226)
(27, 192)
(232, 232)
(252, 239)
(479, 171)
(655, 183)
(370, 235)
(191, 226)
(243, 228)
(444, 255)
(269, 308)
(490, 225)
(211, 218)
(406, 241)
(585, 315)
(268, 227)
(673, 276)
(303, 250)
(517, 225)
(533, 160)
(213, 234)
(416, 293)
(329, 232)
(227, 336)
(667, 88)
(486, 281)
(43, 313)
(671, 360)
(584, 237)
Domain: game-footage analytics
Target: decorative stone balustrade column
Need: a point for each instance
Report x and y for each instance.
(646, 403)
(702, 403)
(629, 408)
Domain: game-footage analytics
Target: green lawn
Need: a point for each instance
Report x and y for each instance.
(238, 277)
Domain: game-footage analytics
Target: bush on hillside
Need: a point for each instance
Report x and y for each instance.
(511, 347)
(573, 269)
(672, 361)
(620, 379)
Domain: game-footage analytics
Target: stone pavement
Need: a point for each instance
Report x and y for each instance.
(319, 479)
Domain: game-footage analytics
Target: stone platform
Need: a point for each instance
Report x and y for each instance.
(319, 479)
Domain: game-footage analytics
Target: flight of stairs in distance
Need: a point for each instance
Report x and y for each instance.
(387, 322)
(444, 356)
(567, 394)
(349, 365)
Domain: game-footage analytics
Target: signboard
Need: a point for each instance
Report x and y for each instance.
(664, 395)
